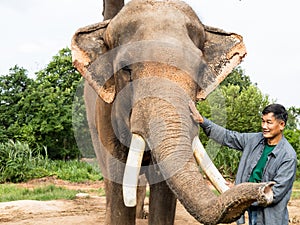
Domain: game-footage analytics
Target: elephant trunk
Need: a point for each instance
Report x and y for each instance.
(169, 131)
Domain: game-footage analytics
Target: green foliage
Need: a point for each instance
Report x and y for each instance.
(39, 111)
(238, 78)
(293, 136)
(293, 118)
(296, 190)
(236, 104)
(49, 107)
(74, 171)
(80, 124)
(10, 192)
(19, 163)
(12, 90)
(292, 133)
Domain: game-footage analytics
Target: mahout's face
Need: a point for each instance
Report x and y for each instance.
(272, 128)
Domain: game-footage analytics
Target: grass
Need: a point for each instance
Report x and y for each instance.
(98, 192)
(74, 171)
(297, 185)
(11, 192)
(19, 163)
(296, 190)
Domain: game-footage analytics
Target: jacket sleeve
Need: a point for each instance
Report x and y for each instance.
(224, 136)
(284, 179)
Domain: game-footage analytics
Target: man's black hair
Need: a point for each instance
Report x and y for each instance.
(278, 110)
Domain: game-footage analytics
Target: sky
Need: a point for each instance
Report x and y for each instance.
(33, 31)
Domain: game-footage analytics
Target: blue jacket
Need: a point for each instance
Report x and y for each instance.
(281, 167)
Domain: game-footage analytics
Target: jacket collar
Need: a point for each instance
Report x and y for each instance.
(277, 148)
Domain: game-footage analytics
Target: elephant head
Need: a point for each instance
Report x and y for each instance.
(146, 64)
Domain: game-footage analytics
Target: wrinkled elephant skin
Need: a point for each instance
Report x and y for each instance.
(142, 68)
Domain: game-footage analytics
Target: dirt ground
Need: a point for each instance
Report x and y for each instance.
(83, 210)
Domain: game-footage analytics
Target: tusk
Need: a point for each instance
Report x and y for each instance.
(132, 170)
(208, 166)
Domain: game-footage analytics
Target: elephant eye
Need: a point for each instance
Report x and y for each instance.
(127, 70)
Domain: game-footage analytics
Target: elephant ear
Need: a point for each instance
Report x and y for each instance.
(89, 58)
(223, 51)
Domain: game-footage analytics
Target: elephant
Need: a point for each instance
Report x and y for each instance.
(142, 67)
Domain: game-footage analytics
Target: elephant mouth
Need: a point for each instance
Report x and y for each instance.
(134, 162)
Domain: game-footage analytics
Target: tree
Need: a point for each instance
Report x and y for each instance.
(80, 124)
(39, 112)
(47, 109)
(293, 118)
(236, 104)
(111, 8)
(13, 87)
(238, 78)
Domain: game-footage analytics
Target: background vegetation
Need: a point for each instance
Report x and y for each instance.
(10, 192)
(237, 105)
(37, 136)
(39, 111)
(19, 163)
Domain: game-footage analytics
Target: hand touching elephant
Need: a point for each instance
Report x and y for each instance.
(145, 65)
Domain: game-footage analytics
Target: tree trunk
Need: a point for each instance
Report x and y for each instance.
(111, 8)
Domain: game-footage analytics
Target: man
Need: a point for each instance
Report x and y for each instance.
(267, 156)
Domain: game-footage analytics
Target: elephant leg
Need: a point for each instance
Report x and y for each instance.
(162, 204)
(116, 212)
(141, 194)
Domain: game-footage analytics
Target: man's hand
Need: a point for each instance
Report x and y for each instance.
(229, 184)
(194, 113)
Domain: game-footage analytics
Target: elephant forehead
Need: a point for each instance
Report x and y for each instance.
(176, 76)
(171, 51)
(150, 20)
(157, 7)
